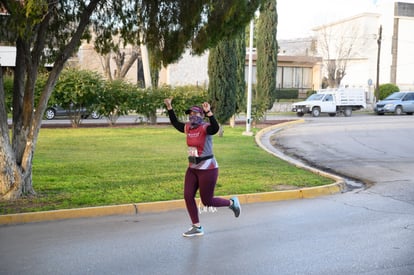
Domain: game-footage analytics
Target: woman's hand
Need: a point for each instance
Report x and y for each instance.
(206, 107)
(167, 103)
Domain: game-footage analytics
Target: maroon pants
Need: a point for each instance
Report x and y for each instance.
(205, 181)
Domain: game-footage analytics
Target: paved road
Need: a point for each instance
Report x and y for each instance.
(374, 149)
(359, 232)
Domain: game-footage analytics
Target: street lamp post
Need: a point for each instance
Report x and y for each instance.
(249, 83)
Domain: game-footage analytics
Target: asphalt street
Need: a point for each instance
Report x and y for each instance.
(377, 150)
(362, 231)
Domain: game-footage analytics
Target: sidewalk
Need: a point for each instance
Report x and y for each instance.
(262, 139)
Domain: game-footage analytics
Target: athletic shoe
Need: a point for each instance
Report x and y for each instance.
(194, 231)
(235, 206)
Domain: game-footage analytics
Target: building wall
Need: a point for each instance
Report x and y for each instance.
(189, 70)
(87, 58)
(362, 67)
(405, 59)
(7, 56)
(356, 35)
(193, 70)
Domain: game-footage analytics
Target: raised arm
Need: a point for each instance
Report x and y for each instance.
(173, 118)
(214, 127)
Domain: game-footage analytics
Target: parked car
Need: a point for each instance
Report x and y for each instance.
(58, 111)
(397, 103)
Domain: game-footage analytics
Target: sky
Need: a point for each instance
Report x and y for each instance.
(296, 18)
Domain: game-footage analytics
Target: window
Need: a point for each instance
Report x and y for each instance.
(307, 78)
(294, 77)
(328, 98)
(279, 77)
(409, 96)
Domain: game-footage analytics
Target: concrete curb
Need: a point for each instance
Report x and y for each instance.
(153, 207)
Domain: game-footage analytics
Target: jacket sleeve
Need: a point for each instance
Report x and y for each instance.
(174, 121)
(214, 127)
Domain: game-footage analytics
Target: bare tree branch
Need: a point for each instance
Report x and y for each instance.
(338, 45)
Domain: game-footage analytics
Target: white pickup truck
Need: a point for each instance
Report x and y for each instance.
(332, 101)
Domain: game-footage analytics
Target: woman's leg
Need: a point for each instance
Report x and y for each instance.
(190, 190)
(207, 180)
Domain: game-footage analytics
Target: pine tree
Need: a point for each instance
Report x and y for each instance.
(222, 72)
(266, 62)
(241, 65)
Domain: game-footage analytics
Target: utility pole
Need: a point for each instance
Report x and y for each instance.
(378, 63)
(394, 51)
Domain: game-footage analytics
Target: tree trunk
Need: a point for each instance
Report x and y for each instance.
(131, 60)
(106, 65)
(221, 131)
(233, 121)
(153, 118)
(15, 180)
(10, 178)
(16, 158)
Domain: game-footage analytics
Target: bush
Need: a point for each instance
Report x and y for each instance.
(146, 102)
(8, 88)
(77, 89)
(114, 99)
(285, 94)
(387, 89)
(276, 95)
(186, 96)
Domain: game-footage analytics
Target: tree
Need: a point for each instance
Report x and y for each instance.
(240, 74)
(123, 62)
(222, 72)
(33, 26)
(337, 47)
(266, 62)
(50, 31)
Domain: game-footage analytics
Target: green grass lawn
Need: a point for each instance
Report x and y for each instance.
(106, 166)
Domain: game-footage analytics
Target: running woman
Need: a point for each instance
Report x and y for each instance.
(202, 171)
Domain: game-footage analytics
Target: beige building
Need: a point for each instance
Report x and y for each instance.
(358, 39)
(300, 72)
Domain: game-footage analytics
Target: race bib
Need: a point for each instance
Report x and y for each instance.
(192, 151)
